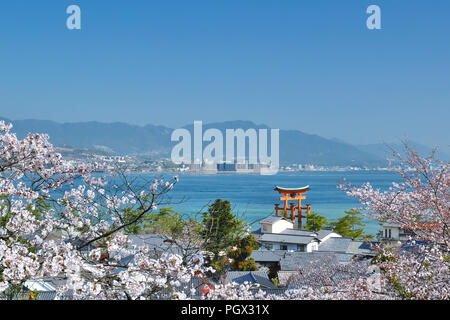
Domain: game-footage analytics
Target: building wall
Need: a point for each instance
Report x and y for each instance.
(331, 235)
(313, 246)
(285, 246)
(394, 235)
(281, 225)
(310, 247)
(266, 228)
(276, 227)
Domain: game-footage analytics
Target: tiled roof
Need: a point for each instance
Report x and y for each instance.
(256, 277)
(283, 238)
(45, 295)
(157, 243)
(361, 248)
(271, 219)
(391, 224)
(298, 260)
(344, 257)
(335, 245)
(268, 255)
(323, 233)
(296, 232)
(151, 240)
(298, 189)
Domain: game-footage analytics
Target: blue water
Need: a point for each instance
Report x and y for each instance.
(253, 197)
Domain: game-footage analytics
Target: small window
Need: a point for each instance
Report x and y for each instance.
(283, 247)
(390, 235)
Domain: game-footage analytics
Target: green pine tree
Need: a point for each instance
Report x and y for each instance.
(347, 225)
(220, 229)
(315, 222)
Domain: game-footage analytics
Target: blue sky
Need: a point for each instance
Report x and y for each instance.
(306, 65)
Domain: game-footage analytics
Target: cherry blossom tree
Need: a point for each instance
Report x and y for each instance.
(421, 205)
(60, 220)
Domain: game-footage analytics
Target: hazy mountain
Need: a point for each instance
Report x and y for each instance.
(299, 147)
(122, 138)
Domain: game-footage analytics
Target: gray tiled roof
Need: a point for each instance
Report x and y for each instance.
(346, 245)
(323, 233)
(271, 219)
(344, 257)
(257, 277)
(296, 232)
(297, 260)
(361, 248)
(292, 259)
(283, 238)
(335, 245)
(391, 224)
(268, 255)
(45, 295)
(151, 240)
(156, 243)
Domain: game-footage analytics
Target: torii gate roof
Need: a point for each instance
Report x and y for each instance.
(292, 190)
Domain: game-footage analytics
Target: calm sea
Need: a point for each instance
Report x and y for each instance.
(253, 197)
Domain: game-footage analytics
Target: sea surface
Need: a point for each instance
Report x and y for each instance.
(253, 196)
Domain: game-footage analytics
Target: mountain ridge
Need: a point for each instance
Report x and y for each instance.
(122, 138)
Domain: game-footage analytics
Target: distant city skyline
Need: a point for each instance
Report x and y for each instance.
(308, 66)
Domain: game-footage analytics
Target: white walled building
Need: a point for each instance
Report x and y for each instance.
(275, 225)
(391, 231)
(278, 233)
(394, 234)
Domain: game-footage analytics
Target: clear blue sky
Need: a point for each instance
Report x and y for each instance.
(307, 65)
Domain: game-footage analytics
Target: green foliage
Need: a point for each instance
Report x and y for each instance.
(220, 227)
(225, 237)
(237, 257)
(347, 225)
(12, 292)
(167, 221)
(246, 265)
(315, 222)
(275, 281)
(240, 252)
(402, 292)
(129, 215)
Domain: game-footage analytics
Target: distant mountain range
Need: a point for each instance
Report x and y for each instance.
(121, 138)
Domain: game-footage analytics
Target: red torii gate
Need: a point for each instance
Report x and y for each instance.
(290, 194)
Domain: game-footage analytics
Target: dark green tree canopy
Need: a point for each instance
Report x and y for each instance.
(315, 222)
(347, 225)
(220, 227)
